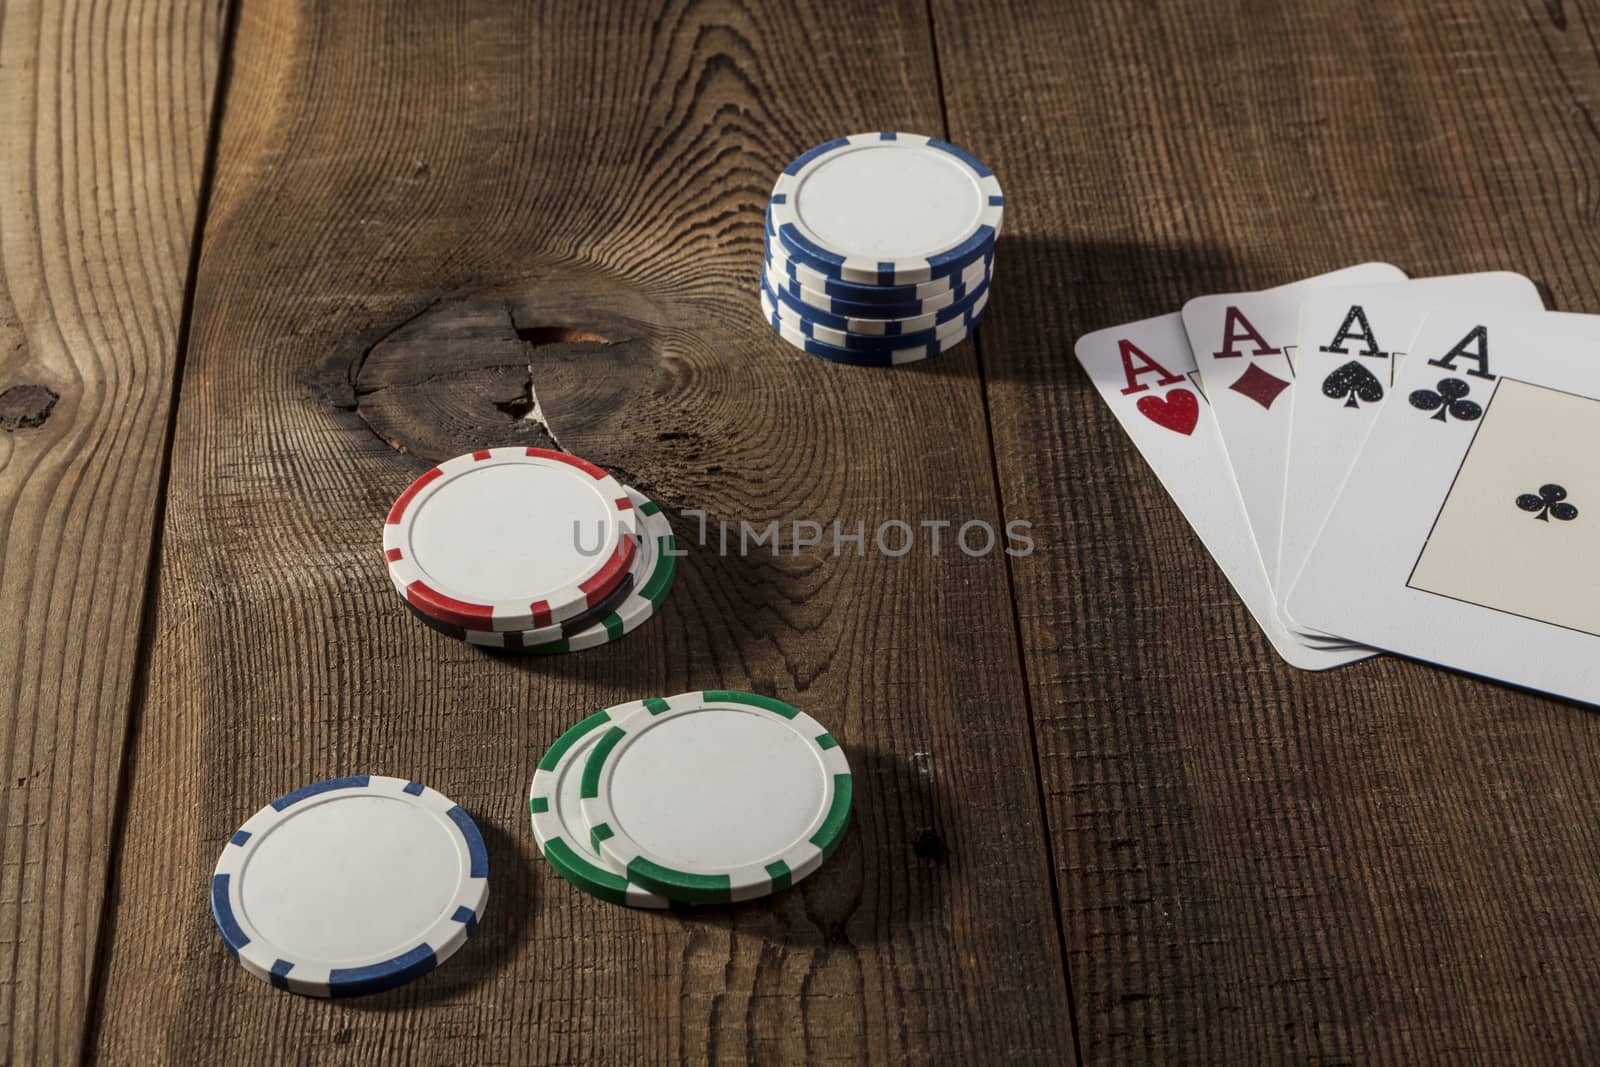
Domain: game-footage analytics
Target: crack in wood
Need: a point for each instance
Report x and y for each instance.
(465, 371)
(527, 406)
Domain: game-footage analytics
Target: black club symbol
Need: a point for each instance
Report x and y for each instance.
(1549, 503)
(1449, 397)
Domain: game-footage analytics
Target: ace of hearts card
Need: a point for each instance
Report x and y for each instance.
(1146, 374)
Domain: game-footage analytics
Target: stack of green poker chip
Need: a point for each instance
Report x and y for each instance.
(702, 798)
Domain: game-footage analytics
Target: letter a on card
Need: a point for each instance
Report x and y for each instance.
(1170, 422)
(1244, 344)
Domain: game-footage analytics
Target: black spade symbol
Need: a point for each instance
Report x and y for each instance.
(1550, 502)
(1350, 383)
(1448, 399)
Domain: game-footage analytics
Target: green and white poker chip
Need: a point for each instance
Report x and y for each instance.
(654, 568)
(715, 796)
(558, 824)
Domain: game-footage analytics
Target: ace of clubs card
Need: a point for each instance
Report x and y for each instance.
(1351, 339)
(1468, 532)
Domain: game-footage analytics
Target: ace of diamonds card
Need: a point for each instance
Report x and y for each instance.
(1244, 344)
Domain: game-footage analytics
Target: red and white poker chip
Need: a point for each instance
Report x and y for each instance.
(510, 539)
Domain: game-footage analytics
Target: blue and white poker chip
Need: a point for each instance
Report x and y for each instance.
(350, 886)
(873, 326)
(887, 357)
(867, 309)
(781, 318)
(798, 274)
(886, 209)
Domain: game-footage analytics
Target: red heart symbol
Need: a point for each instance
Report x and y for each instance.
(1178, 410)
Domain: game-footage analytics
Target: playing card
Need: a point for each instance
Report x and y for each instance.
(1350, 342)
(1468, 532)
(1146, 374)
(1244, 343)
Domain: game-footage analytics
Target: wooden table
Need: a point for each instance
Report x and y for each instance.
(273, 258)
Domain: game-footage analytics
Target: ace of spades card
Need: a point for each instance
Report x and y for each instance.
(1146, 374)
(1243, 343)
(1350, 341)
(1468, 532)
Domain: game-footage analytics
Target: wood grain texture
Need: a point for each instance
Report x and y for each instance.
(1384, 863)
(388, 173)
(103, 120)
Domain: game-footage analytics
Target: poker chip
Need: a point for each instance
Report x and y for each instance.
(886, 208)
(784, 261)
(635, 599)
(880, 309)
(509, 539)
(879, 248)
(780, 265)
(530, 640)
(716, 796)
(871, 326)
(883, 351)
(786, 322)
(558, 826)
(655, 567)
(350, 886)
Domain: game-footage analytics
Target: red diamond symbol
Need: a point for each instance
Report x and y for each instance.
(1259, 385)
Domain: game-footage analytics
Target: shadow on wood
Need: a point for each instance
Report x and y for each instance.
(1048, 292)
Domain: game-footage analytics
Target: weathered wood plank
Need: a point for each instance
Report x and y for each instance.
(103, 119)
(476, 181)
(1386, 863)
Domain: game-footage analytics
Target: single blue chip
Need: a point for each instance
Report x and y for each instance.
(886, 209)
(316, 890)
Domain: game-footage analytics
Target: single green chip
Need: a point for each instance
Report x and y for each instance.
(716, 796)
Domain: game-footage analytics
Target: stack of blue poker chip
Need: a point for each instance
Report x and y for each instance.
(878, 248)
